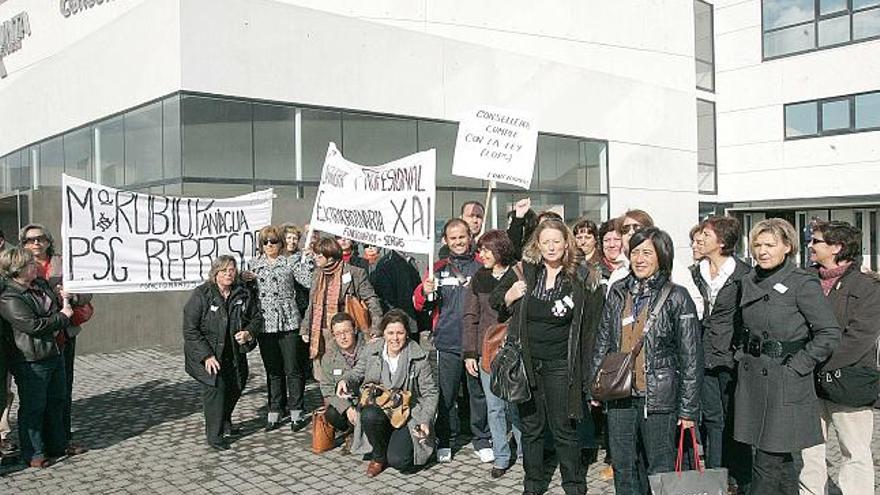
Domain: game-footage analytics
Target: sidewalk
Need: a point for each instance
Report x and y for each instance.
(140, 415)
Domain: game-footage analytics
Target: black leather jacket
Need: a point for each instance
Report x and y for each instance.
(723, 326)
(674, 354)
(32, 327)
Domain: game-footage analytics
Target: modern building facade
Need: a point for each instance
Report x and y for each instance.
(798, 112)
(217, 98)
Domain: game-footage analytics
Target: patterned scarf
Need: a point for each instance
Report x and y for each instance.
(326, 293)
(828, 277)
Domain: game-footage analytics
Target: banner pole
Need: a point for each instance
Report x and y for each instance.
(486, 205)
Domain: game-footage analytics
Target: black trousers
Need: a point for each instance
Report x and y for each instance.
(337, 419)
(642, 446)
(450, 368)
(391, 446)
(719, 385)
(219, 401)
(774, 473)
(548, 410)
(285, 380)
(69, 356)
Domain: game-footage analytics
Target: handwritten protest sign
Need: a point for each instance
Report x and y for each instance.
(390, 205)
(121, 241)
(498, 145)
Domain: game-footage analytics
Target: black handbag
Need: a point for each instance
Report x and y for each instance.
(852, 386)
(509, 380)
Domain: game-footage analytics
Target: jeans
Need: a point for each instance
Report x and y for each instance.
(773, 473)
(69, 358)
(450, 367)
(548, 409)
(642, 445)
(855, 426)
(498, 412)
(42, 389)
(285, 381)
(391, 446)
(719, 385)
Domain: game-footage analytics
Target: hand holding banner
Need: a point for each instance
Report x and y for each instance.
(390, 205)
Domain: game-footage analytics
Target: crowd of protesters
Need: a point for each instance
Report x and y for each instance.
(758, 356)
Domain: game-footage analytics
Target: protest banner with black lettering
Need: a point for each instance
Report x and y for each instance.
(497, 145)
(122, 241)
(390, 205)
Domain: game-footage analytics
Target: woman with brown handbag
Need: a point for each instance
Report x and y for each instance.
(393, 363)
(335, 281)
(497, 254)
(668, 362)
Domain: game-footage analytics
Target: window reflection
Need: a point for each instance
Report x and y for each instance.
(274, 142)
(835, 115)
(51, 162)
(216, 138)
(790, 26)
(778, 13)
(801, 120)
(143, 144)
(866, 24)
(109, 152)
(834, 31)
(372, 140)
(703, 45)
(319, 128)
(790, 40)
(868, 111)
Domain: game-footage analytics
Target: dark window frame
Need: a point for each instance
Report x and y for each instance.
(817, 17)
(714, 151)
(820, 131)
(711, 43)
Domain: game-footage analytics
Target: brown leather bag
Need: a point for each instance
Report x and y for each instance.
(494, 336)
(358, 312)
(323, 433)
(616, 375)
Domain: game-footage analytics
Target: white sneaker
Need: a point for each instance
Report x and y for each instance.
(444, 455)
(486, 455)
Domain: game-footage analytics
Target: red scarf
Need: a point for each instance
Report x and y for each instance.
(828, 277)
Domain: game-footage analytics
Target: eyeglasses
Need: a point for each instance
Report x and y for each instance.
(39, 239)
(817, 241)
(270, 241)
(633, 228)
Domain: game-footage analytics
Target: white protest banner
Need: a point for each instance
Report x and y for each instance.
(496, 144)
(121, 241)
(390, 205)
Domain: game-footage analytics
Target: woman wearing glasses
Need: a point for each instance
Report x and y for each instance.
(276, 275)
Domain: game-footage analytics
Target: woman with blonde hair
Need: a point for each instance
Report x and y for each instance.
(550, 320)
(790, 328)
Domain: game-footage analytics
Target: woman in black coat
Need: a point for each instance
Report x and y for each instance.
(551, 319)
(790, 329)
(220, 322)
(668, 368)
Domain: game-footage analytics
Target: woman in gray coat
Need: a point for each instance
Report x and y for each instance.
(789, 329)
(394, 362)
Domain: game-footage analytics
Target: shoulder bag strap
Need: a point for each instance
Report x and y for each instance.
(664, 294)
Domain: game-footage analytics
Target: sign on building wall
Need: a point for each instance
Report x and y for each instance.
(497, 145)
(121, 241)
(12, 32)
(390, 205)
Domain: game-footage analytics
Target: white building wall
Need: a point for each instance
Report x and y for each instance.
(755, 163)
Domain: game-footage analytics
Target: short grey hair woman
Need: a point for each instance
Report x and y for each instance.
(220, 322)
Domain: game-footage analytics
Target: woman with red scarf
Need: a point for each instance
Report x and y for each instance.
(334, 279)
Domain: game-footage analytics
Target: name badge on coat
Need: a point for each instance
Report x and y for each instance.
(337, 372)
(346, 277)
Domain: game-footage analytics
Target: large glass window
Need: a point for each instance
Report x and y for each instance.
(12, 169)
(706, 158)
(704, 45)
(795, 26)
(30, 160)
(51, 162)
(78, 153)
(110, 152)
(319, 128)
(143, 144)
(371, 140)
(560, 165)
(842, 114)
(274, 142)
(441, 136)
(217, 138)
(171, 152)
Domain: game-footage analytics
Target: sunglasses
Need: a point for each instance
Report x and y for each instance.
(31, 240)
(817, 241)
(633, 227)
(270, 241)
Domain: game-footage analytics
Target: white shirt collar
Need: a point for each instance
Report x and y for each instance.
(392, 361)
